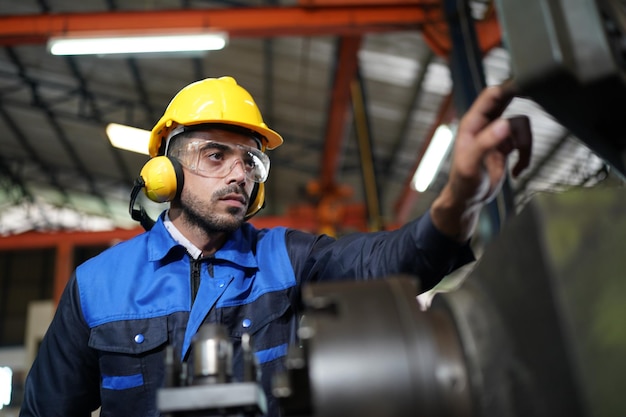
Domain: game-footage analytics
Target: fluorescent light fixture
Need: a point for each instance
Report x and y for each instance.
(101, 45)
(433, 157)
(128, 138)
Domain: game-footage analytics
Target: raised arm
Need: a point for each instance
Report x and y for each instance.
(483, 143)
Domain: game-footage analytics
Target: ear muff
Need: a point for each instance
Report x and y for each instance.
(257, 200)
(163, 179)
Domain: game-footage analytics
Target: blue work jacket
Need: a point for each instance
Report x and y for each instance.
(105, 346)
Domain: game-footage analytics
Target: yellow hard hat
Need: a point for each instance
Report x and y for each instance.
(212, 100)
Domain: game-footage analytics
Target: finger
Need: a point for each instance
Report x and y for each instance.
(521, 136)
(511, 88)
(487, 107)
(496, 136)
(495, 162)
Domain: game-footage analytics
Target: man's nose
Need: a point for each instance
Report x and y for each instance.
(237, 171)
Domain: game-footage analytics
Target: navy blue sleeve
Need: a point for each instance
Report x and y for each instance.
(417, 249)
(64, 379)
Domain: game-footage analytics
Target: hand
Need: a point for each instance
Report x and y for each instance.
(479, 161)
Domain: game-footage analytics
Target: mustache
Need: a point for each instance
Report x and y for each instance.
(232, 189)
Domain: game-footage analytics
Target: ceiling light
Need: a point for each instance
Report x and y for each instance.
(433, 157)
(100, 45)
(128, 138)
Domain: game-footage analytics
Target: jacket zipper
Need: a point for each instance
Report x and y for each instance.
(195, 279)
(196, 265)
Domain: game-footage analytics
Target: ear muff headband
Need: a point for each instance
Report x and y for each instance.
(163, 179)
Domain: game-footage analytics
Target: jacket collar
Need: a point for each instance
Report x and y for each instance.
(237, 249)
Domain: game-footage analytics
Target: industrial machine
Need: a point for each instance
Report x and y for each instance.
(205, 385)
(369, 350)
(569, 57)
(535, 330)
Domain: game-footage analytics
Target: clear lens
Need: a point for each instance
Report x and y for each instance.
(217, 160)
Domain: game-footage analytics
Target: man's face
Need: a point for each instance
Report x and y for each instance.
(216, 203)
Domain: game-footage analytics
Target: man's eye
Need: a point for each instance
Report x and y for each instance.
(214, 156)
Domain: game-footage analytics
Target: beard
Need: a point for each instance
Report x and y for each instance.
(206, 217)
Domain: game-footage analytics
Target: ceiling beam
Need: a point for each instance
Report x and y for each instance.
(365, 142)
(37, 240)
(339, 110)
(238, 22)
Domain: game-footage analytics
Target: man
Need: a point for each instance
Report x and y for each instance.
(202, 262)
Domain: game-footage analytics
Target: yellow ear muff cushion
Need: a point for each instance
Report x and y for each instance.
(256, 204)
(163, 179)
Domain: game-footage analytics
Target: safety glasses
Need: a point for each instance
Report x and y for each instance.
(217, 159)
